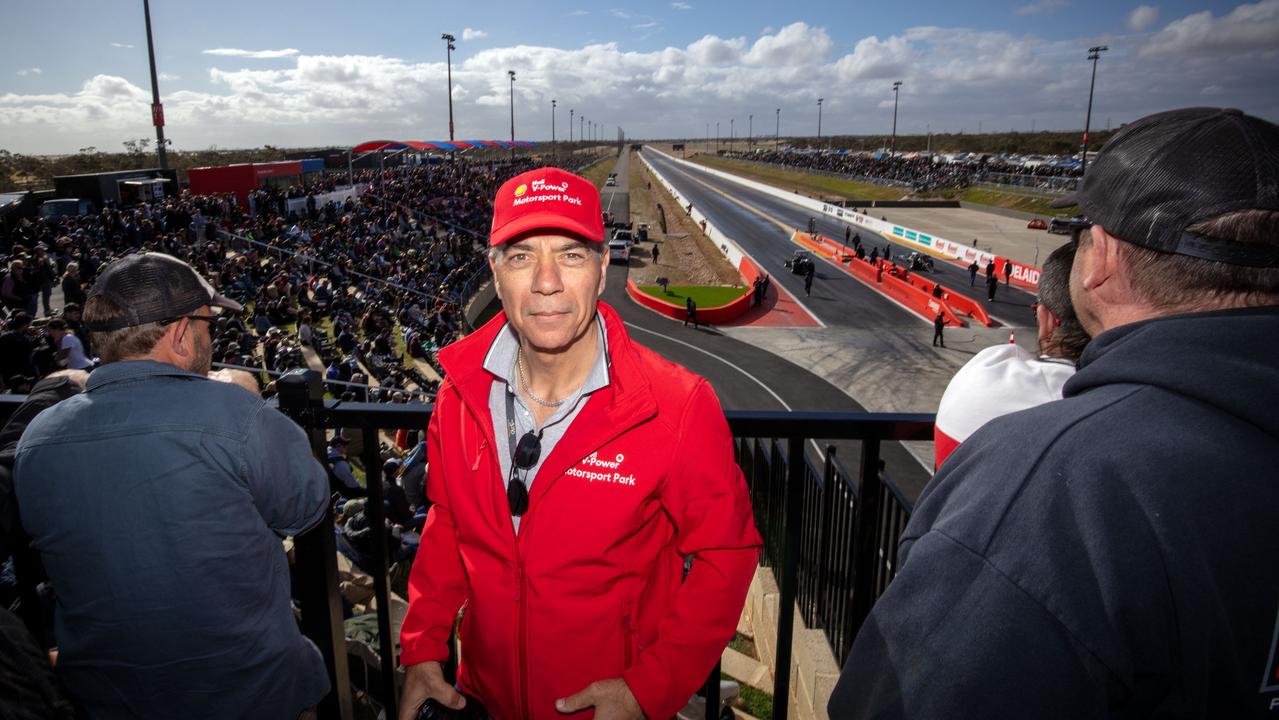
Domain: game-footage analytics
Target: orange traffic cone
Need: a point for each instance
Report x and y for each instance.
(1012, 336)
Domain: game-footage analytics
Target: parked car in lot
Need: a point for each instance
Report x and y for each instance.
(801, 262)
(624, 235)
(611, 181)
(642, 233)
(1037, 224)
(619, 250)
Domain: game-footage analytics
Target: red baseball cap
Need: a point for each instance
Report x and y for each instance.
(547, 199)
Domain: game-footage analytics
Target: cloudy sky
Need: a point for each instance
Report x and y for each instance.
(242, 73)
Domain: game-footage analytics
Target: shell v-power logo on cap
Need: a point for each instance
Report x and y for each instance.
(521, 190)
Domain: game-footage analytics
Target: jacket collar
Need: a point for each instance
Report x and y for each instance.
(125, 370)
(625, 402)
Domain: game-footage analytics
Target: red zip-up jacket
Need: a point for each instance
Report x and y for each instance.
(591, 587)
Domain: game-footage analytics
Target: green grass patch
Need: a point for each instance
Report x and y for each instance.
(803, 181)
(753, 702)
(706, 296)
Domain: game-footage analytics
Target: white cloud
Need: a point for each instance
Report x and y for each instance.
(1142, 17)
(577, 13)
(953, 77)
(1041, 7)
(30, 71)
(121, 45)
(1247, 28)
(170, 77)
(645, 26)
(681, 6)
(621, 14)
(255, 54)
(470, 34)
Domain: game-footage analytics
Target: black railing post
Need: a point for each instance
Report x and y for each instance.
(825, 502)
(302, 399)
(711, 691)
(376, 511)
(789, 580)
(864, 545)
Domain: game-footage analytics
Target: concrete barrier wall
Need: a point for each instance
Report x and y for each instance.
(1025, 276)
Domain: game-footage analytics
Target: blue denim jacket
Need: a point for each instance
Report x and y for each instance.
(157, 499)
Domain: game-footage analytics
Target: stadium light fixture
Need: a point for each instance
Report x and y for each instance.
(448, 59)
(570, 126)
(157, 110)
(716, 137)
(819, 120)
(730, 133)
(777, 131)
(1094, 54)
(893, 145)
(511, 74)
(750, 131)
(554, 150)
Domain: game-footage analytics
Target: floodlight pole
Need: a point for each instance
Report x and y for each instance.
(730, 133)
(554, 149)
(893, 145)
(1094, 54)
(777, 131)
(750, 131)
(511, 74)
(570, 126)
(819, 122)
(157, 110)
(448, 56)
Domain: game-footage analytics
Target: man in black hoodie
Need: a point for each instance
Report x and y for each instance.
(1115, 553)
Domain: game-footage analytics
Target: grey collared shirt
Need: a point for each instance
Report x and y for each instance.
(500, 361)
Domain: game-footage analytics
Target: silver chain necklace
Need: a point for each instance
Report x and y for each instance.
(519, 366)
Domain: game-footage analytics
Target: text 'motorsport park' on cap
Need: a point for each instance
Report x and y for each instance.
(547, 199)
(1161, 174)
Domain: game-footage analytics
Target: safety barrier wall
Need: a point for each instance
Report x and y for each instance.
(880, 278)
(961, 304)
(1025, 276)
(745, 265)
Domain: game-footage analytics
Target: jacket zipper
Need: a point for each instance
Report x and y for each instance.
(522, 640)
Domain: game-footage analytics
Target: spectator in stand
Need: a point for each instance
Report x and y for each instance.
(1004, 378)
(72, 314)
(72, 286)
(44, 271)
(1111, 554)
(70, 350)
(341, 479)
(183, 610)
(16, 348)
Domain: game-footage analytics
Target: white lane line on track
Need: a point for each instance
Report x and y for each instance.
(736, 367)
(758, 264)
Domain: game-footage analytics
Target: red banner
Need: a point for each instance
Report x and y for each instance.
(157, 114)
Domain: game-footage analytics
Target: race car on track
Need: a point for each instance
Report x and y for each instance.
(1037, 224)
(801, 262)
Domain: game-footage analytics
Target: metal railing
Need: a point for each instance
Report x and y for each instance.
(830, 535)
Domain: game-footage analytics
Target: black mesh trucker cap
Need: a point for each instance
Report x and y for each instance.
(1168, 171)
(153, 287)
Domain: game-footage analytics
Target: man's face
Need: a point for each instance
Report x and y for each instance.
(549, 286)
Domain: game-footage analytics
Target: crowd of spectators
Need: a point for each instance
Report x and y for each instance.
(360, 283)
(920, 173)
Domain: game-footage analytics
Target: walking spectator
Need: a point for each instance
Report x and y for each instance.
(1008, 272)
(690, 312)
(992, 284)
(72, 286)
(656, 254)
(939, 324)
(44, 271)
(808, 279)
(972, 274)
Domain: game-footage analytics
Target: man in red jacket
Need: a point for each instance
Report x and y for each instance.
(572, 472)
